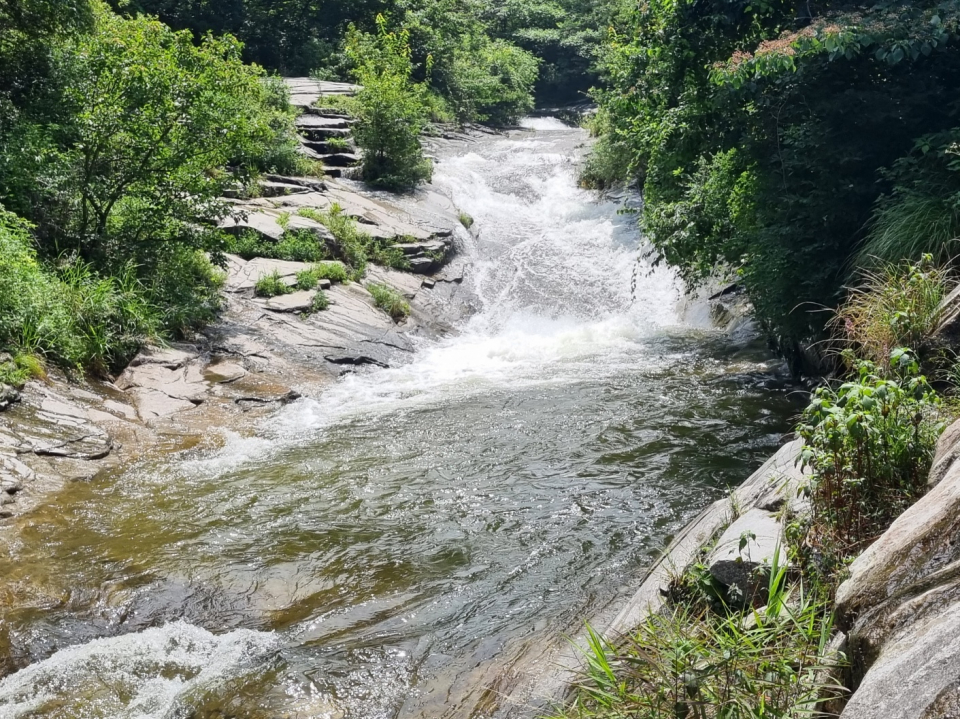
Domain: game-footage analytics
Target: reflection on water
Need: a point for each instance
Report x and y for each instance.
(376, 541)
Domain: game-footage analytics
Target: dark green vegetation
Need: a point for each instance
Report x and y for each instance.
(869, 442)
(117, 136)
(484, 54)
(789, 143)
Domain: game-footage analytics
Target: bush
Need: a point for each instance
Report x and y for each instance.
(333, 271)
(869, 444)
(491, 81)
(897, 305)
(389, 300)
(73, 317)
(390, 110)
(690, 662)
(300, 245)
(271, 285)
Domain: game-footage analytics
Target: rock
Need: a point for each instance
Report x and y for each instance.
(780, 480)
(947, 451)
(340, 159)
(271, 188)
(305, 91)
(316, 121)
(353, 358)
(266, 226)
(323, 132)
(242, 276)
(311, 184)
(294, 302)
(224, 372)
(8, 396)
(422, 265)
(921, 541)
(917, 673)
(747, 545)
(428, 284)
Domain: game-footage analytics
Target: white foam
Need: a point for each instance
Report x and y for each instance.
(154, 674)
(554, 269)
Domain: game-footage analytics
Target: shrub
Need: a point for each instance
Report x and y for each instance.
(390, 110)
(333, 271)
(73, 317)
(307, 280)
(337, 144)
(271, 285)
(869, 444)
(186, 291)
(491, 80)
(389, 300)
(896, 305)
(299, 245)
(466, 220)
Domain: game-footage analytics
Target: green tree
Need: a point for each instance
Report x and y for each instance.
(391, 109)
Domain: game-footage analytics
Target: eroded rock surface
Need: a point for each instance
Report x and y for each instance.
(902, 606)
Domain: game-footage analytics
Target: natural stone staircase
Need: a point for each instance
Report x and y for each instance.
(321, 128)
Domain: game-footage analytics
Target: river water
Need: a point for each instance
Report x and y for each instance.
(376, 544)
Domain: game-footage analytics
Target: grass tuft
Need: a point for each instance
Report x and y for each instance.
(389, 300)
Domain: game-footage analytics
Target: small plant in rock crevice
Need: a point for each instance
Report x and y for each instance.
(895, 305)
(271, 285)
(389, 300)
(701, 660)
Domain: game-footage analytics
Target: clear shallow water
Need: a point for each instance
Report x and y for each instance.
(374, 545)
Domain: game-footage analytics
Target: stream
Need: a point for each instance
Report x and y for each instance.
(377, 545)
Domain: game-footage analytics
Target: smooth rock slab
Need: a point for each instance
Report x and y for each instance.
(917, 675)
(294, 302)
(921, 541)
(761, 535)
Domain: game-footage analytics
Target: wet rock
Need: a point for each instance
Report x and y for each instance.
(947, 452)
(305, 91)
(8, 396)
(748, 545)
(354, 358)
(339, 159)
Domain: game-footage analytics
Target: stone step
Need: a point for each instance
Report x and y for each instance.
(340, 159)
(325, 148)
(316, 134)
(315, 121)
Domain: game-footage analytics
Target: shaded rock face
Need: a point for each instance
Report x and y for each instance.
(748, 545)
(902, 606)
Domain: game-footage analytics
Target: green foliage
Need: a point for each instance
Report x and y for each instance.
(389, 300)
(337, 144)
(921, 215)
(466, 220)
(298, 245)
(869, 444)
(896, 305)
(333, 271)
(759, 137)
(272, 285)
(390, 110)
(320, 301)
(73, 316)
(686, 662)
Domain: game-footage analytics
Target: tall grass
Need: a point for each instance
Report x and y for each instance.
(910, 225)
(690, 662)
(894, 305)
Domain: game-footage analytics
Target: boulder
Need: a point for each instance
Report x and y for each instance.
(747, 545)
(272, 188)
(266, 226)
(947, 451)
(8, 396)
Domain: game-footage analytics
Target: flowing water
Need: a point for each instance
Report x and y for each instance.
(397, 531)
